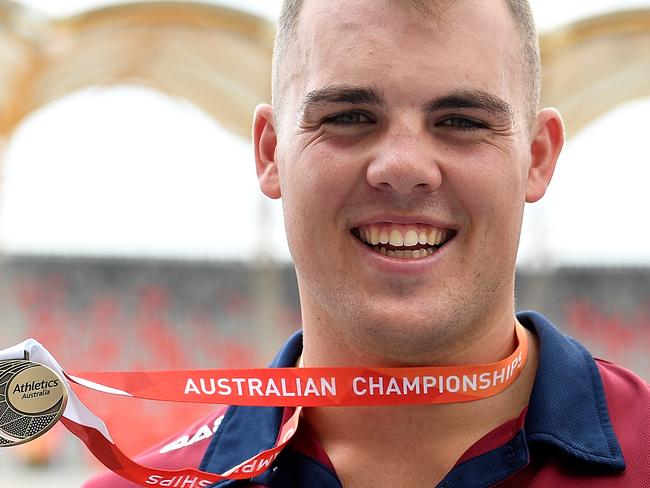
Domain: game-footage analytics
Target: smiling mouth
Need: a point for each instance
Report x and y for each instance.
(403, 241)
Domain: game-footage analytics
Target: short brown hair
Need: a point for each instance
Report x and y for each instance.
(520, 10)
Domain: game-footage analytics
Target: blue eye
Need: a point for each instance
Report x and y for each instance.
(463, 123)
(348, 118)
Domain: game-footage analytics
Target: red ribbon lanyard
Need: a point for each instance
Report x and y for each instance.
(315, 387)
(288, 387)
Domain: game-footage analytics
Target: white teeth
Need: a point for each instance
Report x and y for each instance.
(408, 254)
(374, 236)
(411, 238)
(433, 236)
(417, 254)
(396, 238)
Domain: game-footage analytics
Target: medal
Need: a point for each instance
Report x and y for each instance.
(32, 399)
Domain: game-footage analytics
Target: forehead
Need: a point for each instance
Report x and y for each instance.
(464, 43)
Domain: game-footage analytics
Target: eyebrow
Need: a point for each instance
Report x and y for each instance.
(471, 98)
(465, 98)
(342, 94)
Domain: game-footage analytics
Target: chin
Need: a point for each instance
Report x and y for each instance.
(403, 337)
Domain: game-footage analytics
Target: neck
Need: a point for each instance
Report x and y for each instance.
(365, 441)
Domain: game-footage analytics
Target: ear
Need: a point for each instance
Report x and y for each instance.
(545, 149)
(265, 143)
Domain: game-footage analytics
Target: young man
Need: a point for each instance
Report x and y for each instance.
(404, 140)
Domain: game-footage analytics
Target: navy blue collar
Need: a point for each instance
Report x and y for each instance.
(567, 410)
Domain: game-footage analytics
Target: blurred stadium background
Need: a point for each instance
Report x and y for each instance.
(136, 310)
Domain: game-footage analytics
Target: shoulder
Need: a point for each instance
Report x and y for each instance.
(183, 450)
(628, 403)
(617, 378)
(625, 392)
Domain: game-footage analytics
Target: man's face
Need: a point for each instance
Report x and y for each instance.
(403, 158)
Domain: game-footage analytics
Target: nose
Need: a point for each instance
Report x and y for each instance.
(405, 163)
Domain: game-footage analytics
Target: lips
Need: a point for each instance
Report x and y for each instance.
(403, 241)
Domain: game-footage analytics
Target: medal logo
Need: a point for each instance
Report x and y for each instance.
(32, 399)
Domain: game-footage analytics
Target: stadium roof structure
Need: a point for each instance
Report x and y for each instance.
(214, 57)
